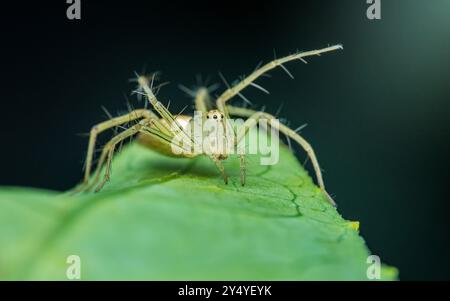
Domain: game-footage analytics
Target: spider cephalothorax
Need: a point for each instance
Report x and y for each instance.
(215, 115)
(158, 128)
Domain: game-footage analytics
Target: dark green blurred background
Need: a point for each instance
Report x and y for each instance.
(377, 112)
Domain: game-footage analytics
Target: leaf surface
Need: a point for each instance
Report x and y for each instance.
(163, 218)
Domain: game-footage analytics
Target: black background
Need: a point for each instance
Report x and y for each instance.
(377, 112)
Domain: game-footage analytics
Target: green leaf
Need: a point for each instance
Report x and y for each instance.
(163, 218)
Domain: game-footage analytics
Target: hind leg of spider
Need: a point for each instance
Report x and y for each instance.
(236, 89)
(253, 121)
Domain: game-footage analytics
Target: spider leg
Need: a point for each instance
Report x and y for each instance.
(108, 151)
(147, 126)
(202, 100)
(107, 168)
(97, 129)
(252, 121)
(219, 165)
(161, 109)
(236, 89)
(242, 168)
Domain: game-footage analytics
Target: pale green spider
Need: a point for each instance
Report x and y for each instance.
(155, 130)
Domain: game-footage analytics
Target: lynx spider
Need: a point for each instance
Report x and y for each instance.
(154, 130)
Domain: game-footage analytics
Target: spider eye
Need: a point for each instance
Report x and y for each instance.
(207, 116)
(221, 116)
(215, 116)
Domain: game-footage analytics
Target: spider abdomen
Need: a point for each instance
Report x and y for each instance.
(150, 141)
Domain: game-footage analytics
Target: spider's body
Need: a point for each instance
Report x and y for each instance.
(158, 128)
(186, 124)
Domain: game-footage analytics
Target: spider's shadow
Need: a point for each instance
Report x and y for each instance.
(198, 167)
